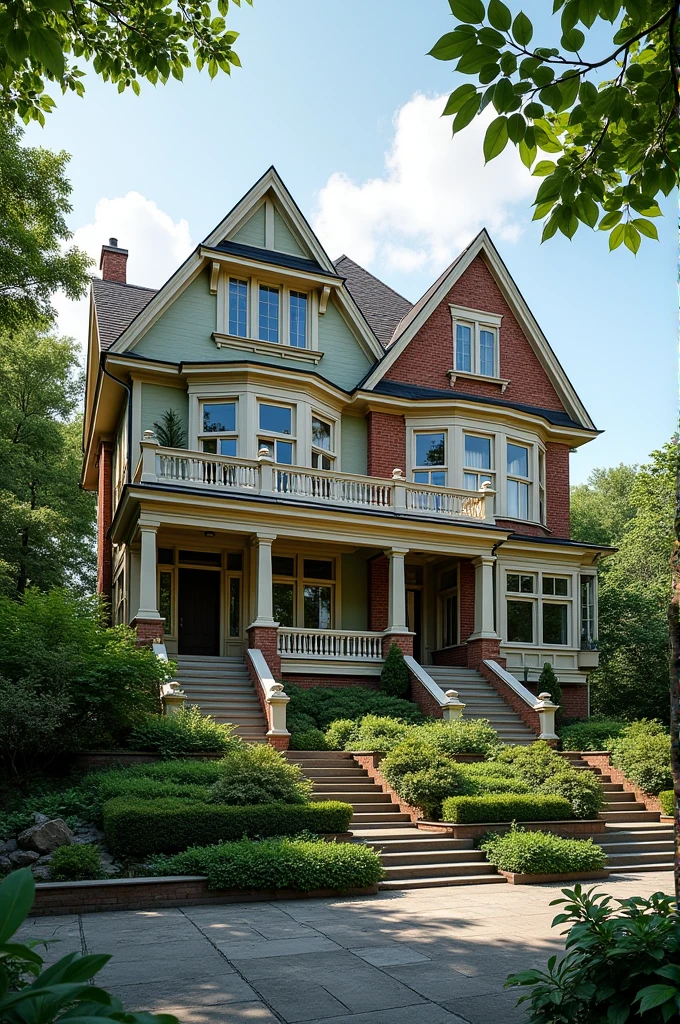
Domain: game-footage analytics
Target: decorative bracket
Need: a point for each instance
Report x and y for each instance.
(214, 276)
(323, 301)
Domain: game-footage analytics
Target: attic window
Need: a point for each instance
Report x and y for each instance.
(476, 346)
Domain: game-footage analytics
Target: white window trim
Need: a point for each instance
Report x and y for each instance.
(329, 453)
(491, 472)
(253, 343)
(444, 468)
(478, 321)
(264, 435)
(203, 435)
(538, 599)
(298, 581)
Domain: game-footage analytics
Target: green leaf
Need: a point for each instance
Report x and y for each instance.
(503, 96)
(551, 226)
(451, 46)
(516, 128)
(527, 154)
(470, 11)
(45, 45)
(522, 29)
(491, 37)
(16, 44)
(569, 87)
(635, 73)
(587, 94)
(17, 893)
(466, 113)
(573, 40)
(499, 15)
(588, 11)
(569, 15)
(653, 995)
(543, 168)
(645, 227)
(496, 138)
(586, 209)
(475, 58)
(568, 222)
(616, 237)
(534, 110)
(488, 73)
(610, 220)
(458, 98)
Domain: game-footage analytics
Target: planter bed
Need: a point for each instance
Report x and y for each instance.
(575, 876)
(571, 827)
(90, 760)
(52, 898)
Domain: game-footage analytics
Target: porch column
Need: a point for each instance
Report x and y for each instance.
(397, 627)
(264, 602)
(484, 610)
(148, 601)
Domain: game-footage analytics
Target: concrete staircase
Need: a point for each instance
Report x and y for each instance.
(635, 839)
(412, 859)
(482, 701)
(222, 688)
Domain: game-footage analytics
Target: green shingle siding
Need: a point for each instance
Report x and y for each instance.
(157, 399)
(344, 362)
(184, 330)
(252, 232)
(284, 240)
(353, 458)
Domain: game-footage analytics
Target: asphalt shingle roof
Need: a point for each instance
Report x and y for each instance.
(382, 307)
(116, 305)
(282, 259)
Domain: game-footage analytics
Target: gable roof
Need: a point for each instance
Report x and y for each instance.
(115, 307)
(382, 307)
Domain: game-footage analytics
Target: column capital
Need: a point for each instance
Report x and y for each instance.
(484, 560)
(262, 537)
(389, 552)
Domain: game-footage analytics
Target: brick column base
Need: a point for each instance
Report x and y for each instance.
(404, 642)
(278, 742)
(149, 631)
(263, 638)
(484, 649)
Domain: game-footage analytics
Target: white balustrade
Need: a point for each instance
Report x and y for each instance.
(334, 488)
(329, 643)
(445, 501)
(213, 471)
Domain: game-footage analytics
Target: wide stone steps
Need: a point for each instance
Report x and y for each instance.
(482, 701)
(221, 688)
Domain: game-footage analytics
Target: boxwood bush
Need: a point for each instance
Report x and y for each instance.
(467, 810)
(320, 705)
(308, 739)
(188, 731)
(593, 734)
(138, 828)
(545, 772)
(375, 732)
(338, 733)
(643, 753)
(76, 863)
(429, 786)
(257, 774)
(542, 853)
(297, 864)
(667, 801)
(461, 736)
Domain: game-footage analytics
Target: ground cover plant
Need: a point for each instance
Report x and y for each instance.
(542, 853)
(300, 864)
(75, 863)
(467, 810)
(593, 734)
(621, 964)
(317, 707)
(185, 732)
(667, 801)
(643, 753)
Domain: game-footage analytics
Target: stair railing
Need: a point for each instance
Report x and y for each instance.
(272, 696)
(450, 703)
(523, 700)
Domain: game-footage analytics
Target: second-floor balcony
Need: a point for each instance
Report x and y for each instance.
(225, 475)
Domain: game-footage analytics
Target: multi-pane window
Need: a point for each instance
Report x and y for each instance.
(588, 626)
(238, 307)
(165, 600)
(518, 481)
(520, 612)
(298, 320)
(542, 511)
(555, 614)
(276, 424)
(464, 334)
(303, 591)
(218, 422)
(269, 314)
(322, 444)
(487, 351)
(475, 345)
(538, 613)
(430, 459)
(119, 601)
(477, 462)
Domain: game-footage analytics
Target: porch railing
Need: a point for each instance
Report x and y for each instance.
(220, 473)
(329, 643)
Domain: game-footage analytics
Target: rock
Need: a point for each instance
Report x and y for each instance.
(23, 858)
(45, 859)
(40, 819)
(109, 867)
(9, 846)
(5, 864)
(90, 835)
(46, 837)
(41, 872)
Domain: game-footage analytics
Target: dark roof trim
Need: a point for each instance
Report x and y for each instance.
(281, 259)
(561, 541)
(415, 392)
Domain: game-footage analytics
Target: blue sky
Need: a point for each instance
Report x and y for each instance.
(344, 101)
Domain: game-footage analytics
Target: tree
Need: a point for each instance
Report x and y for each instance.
(170, 431)
(126, 40)
(601, 507)
(34, 202)
(613, 145)
(46, 520)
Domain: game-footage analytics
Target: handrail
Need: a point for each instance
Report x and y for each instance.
(272, 695)
(448, 701)
(543, 705)
(526, 695)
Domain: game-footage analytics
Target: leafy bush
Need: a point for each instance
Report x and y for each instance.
(549, 683)
(467, 810)
(593, 734)
(412, 755)
(542, 853)
(338, 733)
(621, 963)
(534, 763)
(257, 774)
(643, 753)
(61, 992)
(308, 739)
(429, 786)
(394, 678)
(137, 828)
(667, 801)
(375, 733)
(76, 863)
(186, 732)
(322, 705)
(481, 783)
(581, 789)
(278, 864)
(547, 773)
(461, 736)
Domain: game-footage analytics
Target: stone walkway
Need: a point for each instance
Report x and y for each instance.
(435, 956)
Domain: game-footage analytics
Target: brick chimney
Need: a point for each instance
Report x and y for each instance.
(113, 262)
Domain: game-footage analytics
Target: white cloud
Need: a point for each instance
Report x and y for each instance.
(434, 196)
(156, 244)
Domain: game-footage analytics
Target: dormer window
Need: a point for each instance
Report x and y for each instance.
(269, 314)
(298, 320)
(476, 345)
(238, 308)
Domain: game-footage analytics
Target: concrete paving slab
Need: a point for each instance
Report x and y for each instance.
(255, 950)
(390, 956)
(154, 996)
(297, 1002)
(224, 1013)
(425, 1013)
(183, 969)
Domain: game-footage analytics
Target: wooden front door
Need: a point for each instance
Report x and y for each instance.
(199, 612)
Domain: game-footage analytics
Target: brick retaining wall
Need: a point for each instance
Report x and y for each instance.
(601, 759)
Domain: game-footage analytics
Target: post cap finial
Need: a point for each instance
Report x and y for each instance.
(397, 474)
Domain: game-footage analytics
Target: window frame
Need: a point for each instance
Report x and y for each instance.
(539, 600)
(443, 468)
(318, 453)
(289, 293)
(299, 581)
(273, 437)
(218, 435)
(278, 290)
(477, 320)
(240, 281)
(480, 474)
(515, 478)
(588, 643)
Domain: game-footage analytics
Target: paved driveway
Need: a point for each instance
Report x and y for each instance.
(438, 956)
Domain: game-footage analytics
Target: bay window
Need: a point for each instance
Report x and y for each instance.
(518, 481)
(538, 608)
(322, 444)
(430, 459)
(588, 623)
(476, 459)
(218, 428)
(520, 610)
(276, 428)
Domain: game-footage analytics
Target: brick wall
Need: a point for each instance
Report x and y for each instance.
(574, 702)
(149, 631)
(378, 592)
(429, 355)
(423, 698)
(527, 714)
(386, 444)
(308, 682)
(104, 507)
(263, 638)
(557, 488)
(113, 264)
(404, 642)
(466, 590)
(603, 762)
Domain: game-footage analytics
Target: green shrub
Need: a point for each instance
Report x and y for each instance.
(581, 789)
(199, 773)
(322, 705)
(461, 736)
(479, 784)
(299, 722)
(186, 732)
(643, 753)
(76, 863)
(338, 733)
(375, 733)
(542, 853)
(546, 772)
(412, 755)
(278, 864)
(394, 678)
(119, 783)
(593, 734)
(258, 774)
(138, 828)
(533, 764)
(549, 683)
(429, 786)
(466, 810)
(667, 801)
(308, 739)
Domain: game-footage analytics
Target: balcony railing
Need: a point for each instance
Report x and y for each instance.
(220, 473)
(329, 644)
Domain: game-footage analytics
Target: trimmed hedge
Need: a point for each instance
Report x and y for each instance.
(308, 739)
(667, 801)
(467, 810)
(376, 732)
(593, 734)
(138, 828)
(542, 853)
(320, 705)
(278, 864)
(187, 731)
(643, 753)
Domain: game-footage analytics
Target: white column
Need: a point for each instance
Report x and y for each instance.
(484, 618)
(396, 609)
(264, 602)
(148, 602)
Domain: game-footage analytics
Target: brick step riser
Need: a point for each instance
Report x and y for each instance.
(641, 859)
(632, 816)
(376, 820)
(395, 885)
(358, 799)
(436, 871)
(624, 869)
(389, 846)
(623, 849)
(448, 862)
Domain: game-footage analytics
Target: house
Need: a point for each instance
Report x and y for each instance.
(350, 471)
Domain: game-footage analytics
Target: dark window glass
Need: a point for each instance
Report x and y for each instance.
(228, 446)
(269, 313)
(283, 603)
(235, 561)
(166, 556)
(450, 617)
(238, 307)
(317, 601)
(201, 557)
(219, 416)
(284, 453)
(520, 622)
(448, 580)
(165, 601)
(554, 623)
(429, 449)
(234, 606)
(316, 569)
(283, 566)
(276, 418)
(321, 434)
(210, 445)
